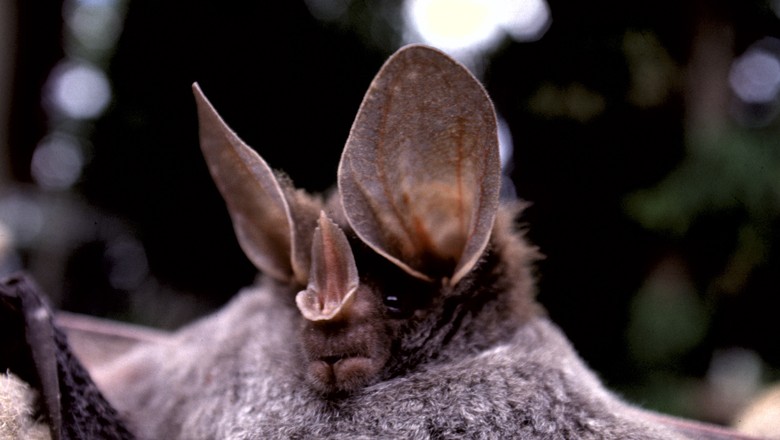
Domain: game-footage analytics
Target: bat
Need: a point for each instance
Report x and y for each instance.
(400, 305)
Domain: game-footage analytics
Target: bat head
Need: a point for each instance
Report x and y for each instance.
(398, 264)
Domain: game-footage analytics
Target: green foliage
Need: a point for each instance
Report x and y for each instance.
(667, 317)
(736, 172)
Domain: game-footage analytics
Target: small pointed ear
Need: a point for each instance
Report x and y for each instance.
(334, 277)
(420, 174)
(266, 215)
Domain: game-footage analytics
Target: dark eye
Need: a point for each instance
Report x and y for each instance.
(397, 307)
(401, 294)
(394, 305)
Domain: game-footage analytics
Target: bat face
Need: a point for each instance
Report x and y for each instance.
(367, 340)
(345, 336)
(386, 268)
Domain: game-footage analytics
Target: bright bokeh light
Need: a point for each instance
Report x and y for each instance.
(755, 76)
(57, 162)
(455, 25)
(327, 10)
(79, 90)
(526, 20)
(735, 374)
(95, 24)
(23, 217)
(505, 143)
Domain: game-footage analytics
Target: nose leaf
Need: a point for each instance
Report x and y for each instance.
(333, 278)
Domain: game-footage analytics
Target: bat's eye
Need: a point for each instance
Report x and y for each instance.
(403, 295)
(396, 306)
(393, 304)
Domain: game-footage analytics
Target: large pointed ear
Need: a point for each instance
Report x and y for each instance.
(267, 216)
(420, 174)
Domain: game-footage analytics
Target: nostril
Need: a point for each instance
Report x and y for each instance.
(330, 360)
(335, 358)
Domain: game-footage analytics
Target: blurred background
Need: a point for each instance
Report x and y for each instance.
(646, 135)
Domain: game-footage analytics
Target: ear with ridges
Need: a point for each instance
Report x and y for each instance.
(266, 215)
(420, 174)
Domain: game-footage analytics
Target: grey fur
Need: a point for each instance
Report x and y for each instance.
(238, 374)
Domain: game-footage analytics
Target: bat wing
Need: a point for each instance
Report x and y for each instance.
(98, 342)
(37, 351)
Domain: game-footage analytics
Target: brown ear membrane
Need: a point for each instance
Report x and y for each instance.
(334, 277)
(420, 174)
(264, 213)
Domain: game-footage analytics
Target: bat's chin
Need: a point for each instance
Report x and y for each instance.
(340, 374)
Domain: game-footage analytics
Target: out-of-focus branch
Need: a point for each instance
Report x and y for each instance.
(7, 58)
(707, 92)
